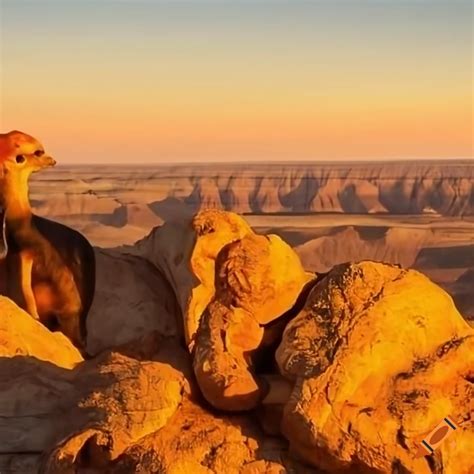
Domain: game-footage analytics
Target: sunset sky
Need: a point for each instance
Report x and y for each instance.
(154, 81)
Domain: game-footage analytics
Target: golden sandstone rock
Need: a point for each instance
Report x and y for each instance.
(258, 278)
(186, 251)
(196, 441)
(21, 335)
(95, 410)
(371, 357)
(230, 282)
(123, 399)
(379, 356)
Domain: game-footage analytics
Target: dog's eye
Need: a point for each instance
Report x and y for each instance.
(20, 159)
(39, 153)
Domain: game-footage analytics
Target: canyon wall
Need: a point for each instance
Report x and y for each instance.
(119, 195)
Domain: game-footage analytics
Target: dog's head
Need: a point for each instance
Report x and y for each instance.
(21, 155)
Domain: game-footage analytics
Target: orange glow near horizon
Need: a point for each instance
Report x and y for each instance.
(240, 86)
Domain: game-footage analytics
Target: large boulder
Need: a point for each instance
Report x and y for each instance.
(378, 356)
(230, 283)
(117, 400)
(185, 251)
(196, 441)
(258, 279)
(132, 299)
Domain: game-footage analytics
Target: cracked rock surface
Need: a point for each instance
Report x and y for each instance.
(379, 356)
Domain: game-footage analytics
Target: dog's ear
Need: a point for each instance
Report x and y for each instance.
(3, 234)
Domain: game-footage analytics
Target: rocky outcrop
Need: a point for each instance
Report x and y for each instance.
(133, 409)
(379, 355)
(258, 279)
(343, 372)
(185, 252)
(94, 411)
(196, 441)
(230, 283)
(121, 399)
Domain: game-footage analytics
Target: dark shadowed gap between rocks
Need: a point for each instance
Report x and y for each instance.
(264, 362)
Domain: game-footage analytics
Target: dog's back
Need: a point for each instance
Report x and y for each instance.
(77, 253)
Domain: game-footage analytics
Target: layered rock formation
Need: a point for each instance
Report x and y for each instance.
(391, 187)
(343, 372)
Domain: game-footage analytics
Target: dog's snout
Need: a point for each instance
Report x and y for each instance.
(49, 160)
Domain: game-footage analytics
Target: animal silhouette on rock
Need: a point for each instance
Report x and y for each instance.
(46, 268)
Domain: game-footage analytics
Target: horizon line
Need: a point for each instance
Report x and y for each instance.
(270, 162)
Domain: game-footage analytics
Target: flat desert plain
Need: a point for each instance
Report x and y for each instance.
(418, 214)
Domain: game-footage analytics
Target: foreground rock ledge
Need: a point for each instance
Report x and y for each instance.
(374, 360)
(102, 406)
(133, 409)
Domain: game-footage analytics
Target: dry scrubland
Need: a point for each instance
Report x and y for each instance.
(419, 215)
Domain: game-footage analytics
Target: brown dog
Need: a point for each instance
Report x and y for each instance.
(48, 269)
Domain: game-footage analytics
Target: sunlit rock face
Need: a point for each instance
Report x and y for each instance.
(195, 441)
(379, 356)
(257, 280)
(185, 251)
(22, 336)
(359, 364)
(231, 283)
(100, 406)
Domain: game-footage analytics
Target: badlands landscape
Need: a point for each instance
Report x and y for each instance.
(417, 214)
(252, 320)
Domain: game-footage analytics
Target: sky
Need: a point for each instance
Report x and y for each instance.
(197, 81)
